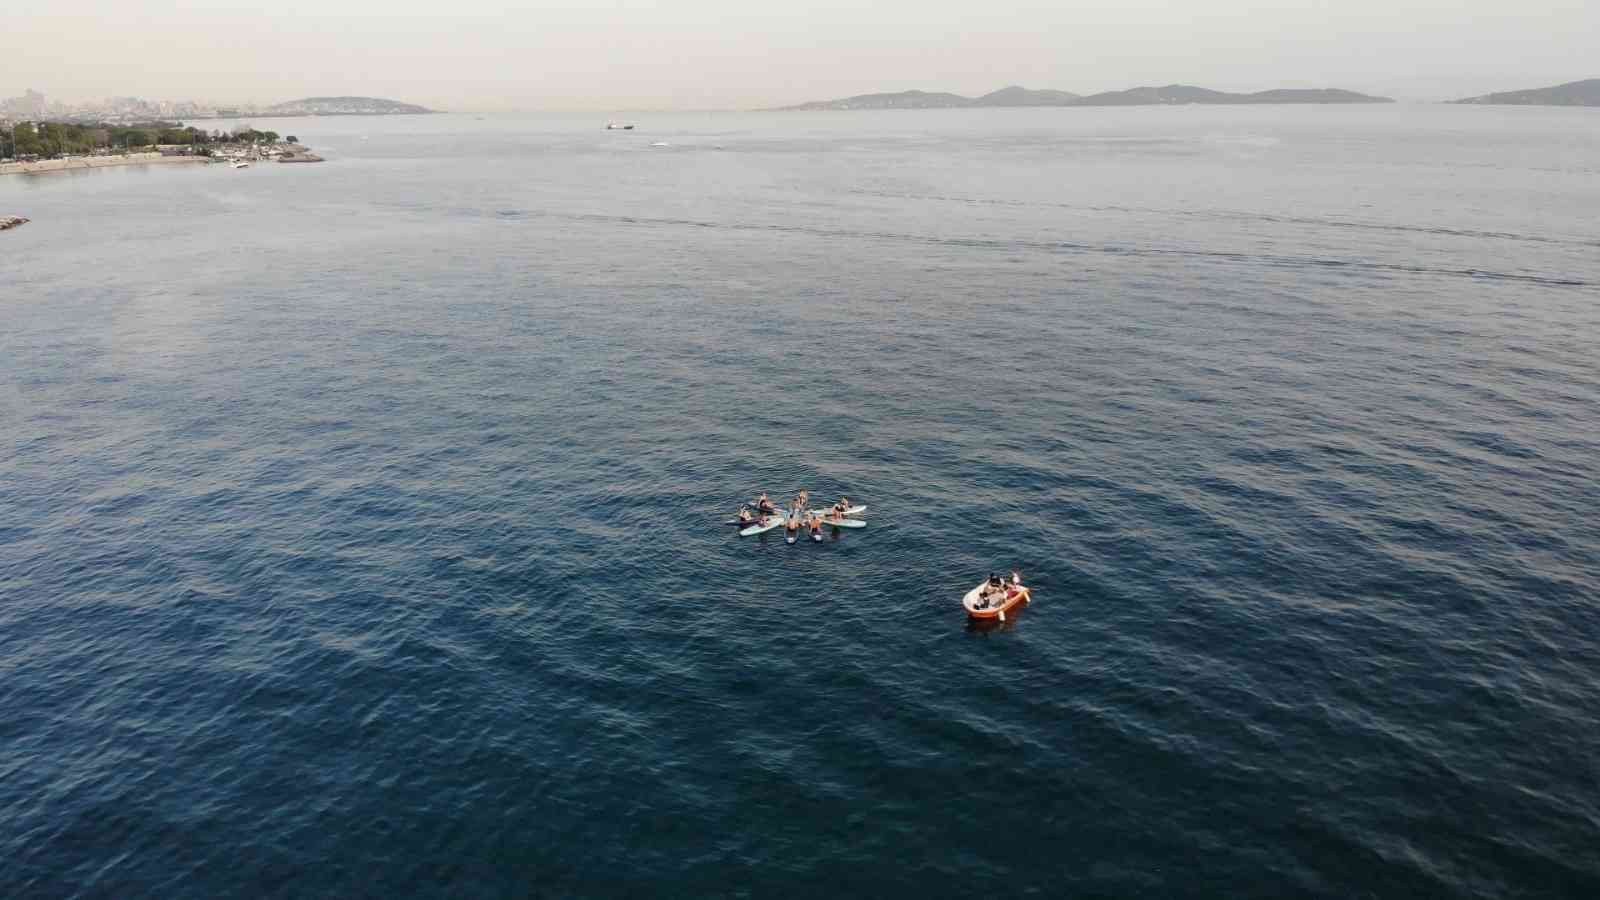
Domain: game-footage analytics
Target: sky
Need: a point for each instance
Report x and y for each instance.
(477, 55)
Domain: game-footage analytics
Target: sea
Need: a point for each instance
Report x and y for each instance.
(362, 524)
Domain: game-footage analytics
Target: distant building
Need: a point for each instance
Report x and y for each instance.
(31, 105)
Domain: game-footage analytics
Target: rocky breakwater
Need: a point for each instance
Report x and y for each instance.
(8, 222)
(295, 153)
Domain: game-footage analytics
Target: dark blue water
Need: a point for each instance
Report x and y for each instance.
(359, 522)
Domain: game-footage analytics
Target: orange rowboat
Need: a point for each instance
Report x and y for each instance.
(1015, 596)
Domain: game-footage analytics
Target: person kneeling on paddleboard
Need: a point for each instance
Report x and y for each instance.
(744, 516)
(764, 505)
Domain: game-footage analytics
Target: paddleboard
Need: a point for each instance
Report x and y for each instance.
(843, 523)
(851, 511)
(816, 535)
(768, 524)
(791, 539)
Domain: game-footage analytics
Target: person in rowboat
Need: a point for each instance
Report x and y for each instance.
(993, 590)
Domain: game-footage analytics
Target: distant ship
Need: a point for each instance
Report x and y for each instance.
(614, 126)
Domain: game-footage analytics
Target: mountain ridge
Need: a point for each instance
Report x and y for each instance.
(1016, 96)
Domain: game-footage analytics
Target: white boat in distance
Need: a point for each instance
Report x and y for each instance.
(617, 126)
(241, 164)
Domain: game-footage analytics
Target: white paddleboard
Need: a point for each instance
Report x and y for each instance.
(843, 523)
(851, 511)
(767, 524)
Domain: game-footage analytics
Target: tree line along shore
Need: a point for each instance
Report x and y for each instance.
(39, 148)
(30, 141)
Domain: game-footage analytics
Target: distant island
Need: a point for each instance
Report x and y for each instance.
(1021, 96)
(344, 106)
(1181, 94)
(1171, 95)
(1573, 93)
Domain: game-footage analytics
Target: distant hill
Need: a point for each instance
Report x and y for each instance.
(1573, 93)
(1171, 95)
(1021, 96)
(344, 106)
(901, 100)
(1180, 94)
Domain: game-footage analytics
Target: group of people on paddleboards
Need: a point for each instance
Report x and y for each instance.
(799, 515)
(991, 599)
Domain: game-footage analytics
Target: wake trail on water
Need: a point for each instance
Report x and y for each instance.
(1238, 216)
(1281, 260)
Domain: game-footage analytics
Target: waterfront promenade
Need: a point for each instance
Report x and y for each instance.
(94, 162)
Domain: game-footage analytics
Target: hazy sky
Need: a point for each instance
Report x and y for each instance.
(704, 54)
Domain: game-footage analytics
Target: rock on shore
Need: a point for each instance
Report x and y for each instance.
(11, 222)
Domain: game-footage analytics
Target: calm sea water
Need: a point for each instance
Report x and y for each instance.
(359, 523)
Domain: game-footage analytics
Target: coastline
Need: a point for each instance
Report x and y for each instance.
(94, 162)
(9, 222)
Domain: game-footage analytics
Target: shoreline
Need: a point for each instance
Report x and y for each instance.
(44, 166)
(9, 222)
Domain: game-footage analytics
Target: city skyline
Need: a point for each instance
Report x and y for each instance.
(36, 105)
